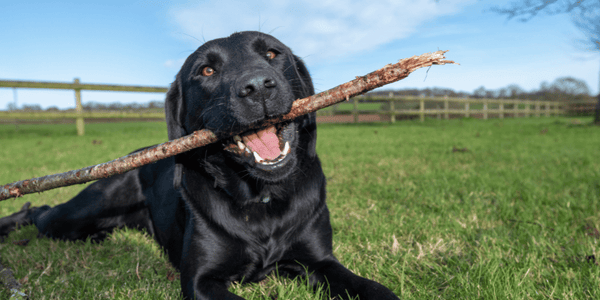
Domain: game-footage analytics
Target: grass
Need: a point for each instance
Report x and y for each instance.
(516, 215)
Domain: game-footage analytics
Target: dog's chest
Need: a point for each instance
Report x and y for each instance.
(262, 259)
(267, 240)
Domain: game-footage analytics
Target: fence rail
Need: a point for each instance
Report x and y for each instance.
(72, 115)
(75, 85)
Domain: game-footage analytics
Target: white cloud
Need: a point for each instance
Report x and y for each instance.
(169, 63)
(174, 63)
(315, 29)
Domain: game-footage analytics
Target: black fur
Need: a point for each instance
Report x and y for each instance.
(220, 216)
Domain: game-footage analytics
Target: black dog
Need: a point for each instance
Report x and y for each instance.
(235, 210)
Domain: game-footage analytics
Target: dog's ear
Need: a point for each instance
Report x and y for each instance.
(307, 88)
(174, 112)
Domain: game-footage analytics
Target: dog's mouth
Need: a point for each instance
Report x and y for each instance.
(268, 147)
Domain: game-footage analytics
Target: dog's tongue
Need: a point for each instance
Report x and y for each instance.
(264, 142)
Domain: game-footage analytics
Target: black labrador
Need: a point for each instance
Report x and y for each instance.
(235, 210)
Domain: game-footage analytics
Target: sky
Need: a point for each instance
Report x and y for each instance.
(146, 42)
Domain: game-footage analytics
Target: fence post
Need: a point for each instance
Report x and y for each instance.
(466, 109)
(501, 109)
(446, 114)
(355, 111)
(16, 107)
(516, 108)
(422, 109)
(537, 108)
(79, 123)
(392, 108)
(485, 109)
(547, 109)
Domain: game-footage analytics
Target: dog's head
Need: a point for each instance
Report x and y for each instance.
(231, 83)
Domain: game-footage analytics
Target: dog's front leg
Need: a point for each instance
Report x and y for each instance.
(344, 284)
(201, 278)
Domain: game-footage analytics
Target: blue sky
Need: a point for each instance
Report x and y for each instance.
(145, 42)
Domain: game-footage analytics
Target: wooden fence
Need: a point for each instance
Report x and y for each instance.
(446, 107)
(393, 107)
(387, 108)
(78, 87)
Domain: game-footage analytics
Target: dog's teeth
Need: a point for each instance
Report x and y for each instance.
(240, 145)
(286, 148)
(257, 157)
(237, 138)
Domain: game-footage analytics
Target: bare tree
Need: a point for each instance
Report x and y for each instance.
(526, 10)
(503, 93)
(12, 106)
(479, 92)
(570, 86)
(585, 14)
(514, 91)
(587, 19)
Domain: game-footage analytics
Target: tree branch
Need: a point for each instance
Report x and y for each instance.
(360, 85)
(528, 9)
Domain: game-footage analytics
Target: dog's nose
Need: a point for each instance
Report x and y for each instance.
(257, 87)
(259, 94)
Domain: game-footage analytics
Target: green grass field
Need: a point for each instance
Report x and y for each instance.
(515, 215)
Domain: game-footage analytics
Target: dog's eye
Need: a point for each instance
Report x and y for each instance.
(208, 71)
(270, 55)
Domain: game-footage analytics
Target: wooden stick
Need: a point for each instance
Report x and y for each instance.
(360, 85)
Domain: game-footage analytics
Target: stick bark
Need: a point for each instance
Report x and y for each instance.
(362, 84)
